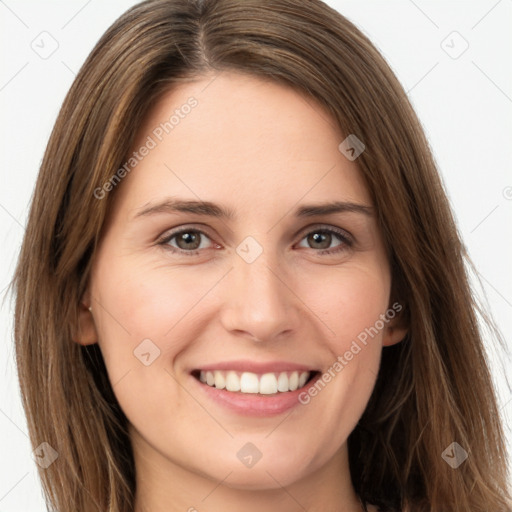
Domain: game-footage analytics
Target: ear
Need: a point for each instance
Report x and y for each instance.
(393, 335)
(396, 327)
(85, 331)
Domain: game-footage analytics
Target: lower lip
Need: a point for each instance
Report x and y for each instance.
(255, 404)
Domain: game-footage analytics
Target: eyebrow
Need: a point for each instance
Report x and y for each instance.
(175, 205)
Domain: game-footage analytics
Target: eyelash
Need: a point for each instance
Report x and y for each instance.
(345, 239)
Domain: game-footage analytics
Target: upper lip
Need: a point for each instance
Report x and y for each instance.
(256, 367)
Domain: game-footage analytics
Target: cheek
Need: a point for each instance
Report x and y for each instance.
(145, 319)
(351, 305)
(349, 302)
(149, 303)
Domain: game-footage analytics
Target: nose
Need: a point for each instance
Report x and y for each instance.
(260, 304)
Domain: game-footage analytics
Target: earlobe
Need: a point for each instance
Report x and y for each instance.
(393, 335)
(397, 322)
(85, 333)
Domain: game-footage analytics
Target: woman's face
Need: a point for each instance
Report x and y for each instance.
(262, 298)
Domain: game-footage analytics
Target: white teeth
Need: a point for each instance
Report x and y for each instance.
(293, 381)
(303, 378)
(282, 382)
(220, 381)
(232, 382)
(268, 384)
(248, 382)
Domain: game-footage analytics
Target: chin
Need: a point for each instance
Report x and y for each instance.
(275, 469)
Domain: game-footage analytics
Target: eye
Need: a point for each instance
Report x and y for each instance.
(322, 238)
(189, 241)
(185, 241)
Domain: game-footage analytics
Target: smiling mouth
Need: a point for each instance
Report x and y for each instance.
(271, 383)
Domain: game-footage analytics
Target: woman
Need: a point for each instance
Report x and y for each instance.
(183, 343)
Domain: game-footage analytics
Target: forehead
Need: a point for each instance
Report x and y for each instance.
(241, 140)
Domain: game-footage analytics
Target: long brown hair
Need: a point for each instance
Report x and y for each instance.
(433, 389)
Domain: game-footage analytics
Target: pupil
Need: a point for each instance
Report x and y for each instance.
(319, 237)
(189, 239)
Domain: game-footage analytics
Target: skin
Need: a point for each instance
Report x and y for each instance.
(260, 149)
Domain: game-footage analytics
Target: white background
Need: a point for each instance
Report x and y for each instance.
(465, 105)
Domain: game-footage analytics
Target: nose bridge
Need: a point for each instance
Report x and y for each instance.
(260, 303)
